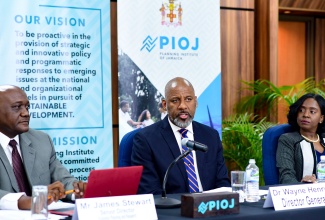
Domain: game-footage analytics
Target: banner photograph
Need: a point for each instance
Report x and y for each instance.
(171, 38)
(58, 52)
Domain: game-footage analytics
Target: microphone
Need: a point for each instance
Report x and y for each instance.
(193, 145)
(163, 202)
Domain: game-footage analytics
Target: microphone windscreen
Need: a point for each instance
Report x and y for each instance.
(184, 141)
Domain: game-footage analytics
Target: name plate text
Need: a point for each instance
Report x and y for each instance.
(296, 196)
(116, 207)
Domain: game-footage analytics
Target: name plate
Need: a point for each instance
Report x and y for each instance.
(209, 204)
(116, 207)
(295, 196)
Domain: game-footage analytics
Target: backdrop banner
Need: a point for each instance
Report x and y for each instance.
(59, 53)
(159, 40)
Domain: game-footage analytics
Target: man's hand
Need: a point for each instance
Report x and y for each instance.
(79, 189)
(25, 203)
(56, 191)
(309, 179)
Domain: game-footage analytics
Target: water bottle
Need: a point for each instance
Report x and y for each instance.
(252, 182)
(321, 170)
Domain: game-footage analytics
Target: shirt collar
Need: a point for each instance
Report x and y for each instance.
(4, 140)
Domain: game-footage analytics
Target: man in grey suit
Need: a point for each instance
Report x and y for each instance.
(36, 151)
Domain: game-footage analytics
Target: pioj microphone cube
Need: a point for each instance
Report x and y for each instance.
(209, 204)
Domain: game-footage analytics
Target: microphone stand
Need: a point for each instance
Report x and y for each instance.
(164, 202)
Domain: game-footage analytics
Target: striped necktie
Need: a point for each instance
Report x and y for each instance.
(19, 169)
(189, 164)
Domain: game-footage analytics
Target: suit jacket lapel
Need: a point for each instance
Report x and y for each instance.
(28, 154)
(169, 137)
(4, 160)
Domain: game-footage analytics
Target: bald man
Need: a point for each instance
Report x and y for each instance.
(37, 154)
(156, 146)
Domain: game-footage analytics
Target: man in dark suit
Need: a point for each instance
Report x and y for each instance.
(156, 146)
(36, 152)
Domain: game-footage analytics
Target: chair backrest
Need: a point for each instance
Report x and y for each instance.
(269, 146)
(125, 149)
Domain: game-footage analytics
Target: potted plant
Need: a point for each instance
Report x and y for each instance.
(242, 140)
(268, 95)
(242, 133)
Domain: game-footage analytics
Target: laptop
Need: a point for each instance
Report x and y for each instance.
(113, 182)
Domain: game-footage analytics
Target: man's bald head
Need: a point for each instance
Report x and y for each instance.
(4, 88)
(177, 81)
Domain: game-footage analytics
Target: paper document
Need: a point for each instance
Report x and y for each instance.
(24, 215)
(61, 208)
(228, 189)
(60, 205)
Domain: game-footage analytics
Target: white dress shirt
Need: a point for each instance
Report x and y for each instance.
(10, 201)
(190, 135)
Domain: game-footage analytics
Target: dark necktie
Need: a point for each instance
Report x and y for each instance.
(19, 169)
(189, 164)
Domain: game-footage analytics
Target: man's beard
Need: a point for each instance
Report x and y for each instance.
(182, 124)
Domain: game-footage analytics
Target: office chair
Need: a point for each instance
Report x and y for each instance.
(125, 150)
(269, 146)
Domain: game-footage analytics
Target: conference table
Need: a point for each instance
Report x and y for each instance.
(249, 211)
(252, 211)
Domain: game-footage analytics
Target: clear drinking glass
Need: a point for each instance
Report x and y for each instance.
(238, 184)
(39, 203)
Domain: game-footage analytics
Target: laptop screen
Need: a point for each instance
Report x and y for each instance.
(113, 182)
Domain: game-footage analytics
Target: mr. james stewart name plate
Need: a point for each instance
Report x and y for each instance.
(209, 204)
(116, 207)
